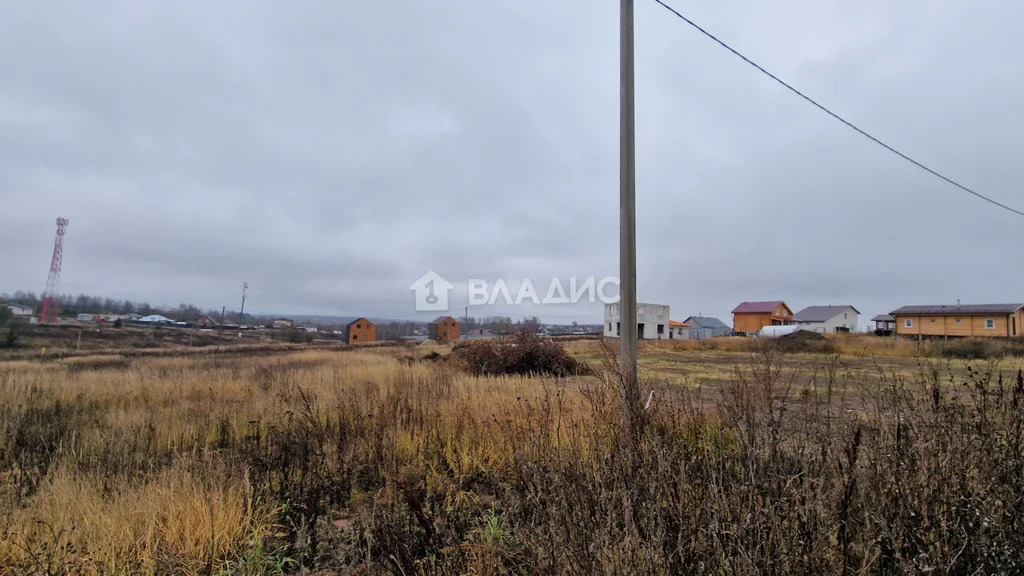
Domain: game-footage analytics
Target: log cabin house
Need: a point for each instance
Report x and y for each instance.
(968, 320)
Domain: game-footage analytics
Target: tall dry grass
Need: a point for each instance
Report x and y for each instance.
(374, 461)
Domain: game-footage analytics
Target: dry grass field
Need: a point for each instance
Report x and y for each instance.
(875, 458)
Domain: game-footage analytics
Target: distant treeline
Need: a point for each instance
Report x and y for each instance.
(71, 306)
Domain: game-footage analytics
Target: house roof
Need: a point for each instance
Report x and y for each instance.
(358, 320)
(883, 318)
(152, 318)
(758, 307)
(958, 310)
(707, 322)
(821, 313)
(679, 324)
(440, 319)
(16, 305)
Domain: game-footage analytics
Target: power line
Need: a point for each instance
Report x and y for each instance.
(837, 116)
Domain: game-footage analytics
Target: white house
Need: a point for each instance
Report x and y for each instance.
(827, 319)
(155, 319)
(651, 319)
(679, 330)
(18, 309)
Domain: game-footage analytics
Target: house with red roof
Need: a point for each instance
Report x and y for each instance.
(749, 317)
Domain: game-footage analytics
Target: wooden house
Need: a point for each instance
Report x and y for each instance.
(360, 330)
(977, 320)
(749, 317)
(445, 329)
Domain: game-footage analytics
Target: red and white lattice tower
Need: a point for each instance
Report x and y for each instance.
(51, 298)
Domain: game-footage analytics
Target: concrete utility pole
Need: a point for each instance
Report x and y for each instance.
(627, 214)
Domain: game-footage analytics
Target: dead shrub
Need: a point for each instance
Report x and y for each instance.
(522, 353)
(805, 342)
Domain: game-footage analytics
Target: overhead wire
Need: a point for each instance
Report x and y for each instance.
(846, 122)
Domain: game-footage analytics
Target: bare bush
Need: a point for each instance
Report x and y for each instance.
(521, 353)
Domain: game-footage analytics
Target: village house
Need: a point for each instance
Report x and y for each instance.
(282, 323)
(477, 333)
(18, 309)
(361, 330)
(749, 317)
(205, 321)
(978, 320)
(827, 319)
(445, 329)
(652, 321)
(679, 330)
(707, 327)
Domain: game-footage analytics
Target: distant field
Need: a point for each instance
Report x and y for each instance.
(381, 460)
(860, 364)
(72, 340)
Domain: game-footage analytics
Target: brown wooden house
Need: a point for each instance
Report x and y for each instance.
(360, 330)
(445, 329)
(968, 320)
(749, 317)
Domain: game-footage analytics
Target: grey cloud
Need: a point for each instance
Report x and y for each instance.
(332, 152)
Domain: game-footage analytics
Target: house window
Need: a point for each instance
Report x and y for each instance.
(959, 321)
(359, 325)
(844, 316)
(355, 336)
(618, 327)
(933, 320)
(908, 323)
(609, 326)
(661, 328)
(990, 324)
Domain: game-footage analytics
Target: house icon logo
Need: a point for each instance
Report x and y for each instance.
(431, 292)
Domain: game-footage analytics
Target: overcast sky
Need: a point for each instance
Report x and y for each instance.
(331, 152)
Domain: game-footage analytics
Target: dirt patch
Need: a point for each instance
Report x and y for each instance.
(805, 342)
